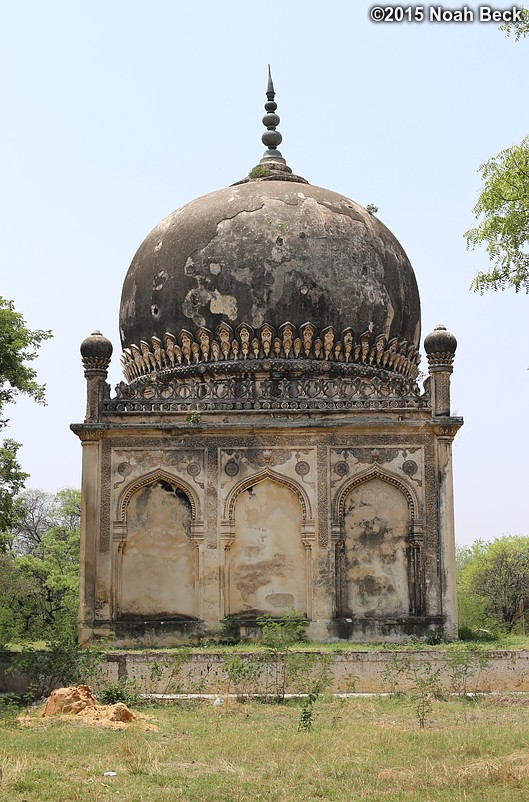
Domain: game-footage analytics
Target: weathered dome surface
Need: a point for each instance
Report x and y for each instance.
(270, 251)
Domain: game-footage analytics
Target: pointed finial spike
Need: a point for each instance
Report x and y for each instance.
(271, 138)
(272, 166)
(270, 93)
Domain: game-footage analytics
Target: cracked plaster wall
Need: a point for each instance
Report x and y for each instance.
(267, 558)
(376, 526)
(158, 563)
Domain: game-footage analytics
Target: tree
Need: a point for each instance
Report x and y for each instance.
(519, 28)
(503, 230)
(502, 209)
(12, 479)
(39, 575)
(18, 346)
(38, 512)
(494, 583)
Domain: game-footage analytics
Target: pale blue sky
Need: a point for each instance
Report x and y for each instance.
(116, 113)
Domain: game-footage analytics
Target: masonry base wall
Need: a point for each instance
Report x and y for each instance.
(362, 672)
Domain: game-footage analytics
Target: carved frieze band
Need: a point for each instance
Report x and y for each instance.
(441, 362)
(167, 356)
(262, 392)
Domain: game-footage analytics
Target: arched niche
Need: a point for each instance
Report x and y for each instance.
(267, 538)
(156, 550)
(378, 548)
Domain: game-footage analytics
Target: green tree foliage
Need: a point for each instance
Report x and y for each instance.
(493, 583)
(502, 212)
(12, 479)
(18, 346)
(519, 28)
(39, 572)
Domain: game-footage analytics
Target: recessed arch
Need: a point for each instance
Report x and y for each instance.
(379, 546)
(254, 479)
(375, 472)
(164, 558)
(158, 475)
(233, 538)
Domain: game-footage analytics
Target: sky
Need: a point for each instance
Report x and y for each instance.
(117, 113)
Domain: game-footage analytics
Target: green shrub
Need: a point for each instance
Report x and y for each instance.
(124, 690)
(60, 663)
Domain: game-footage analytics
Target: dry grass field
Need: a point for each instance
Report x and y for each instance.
(368, 748)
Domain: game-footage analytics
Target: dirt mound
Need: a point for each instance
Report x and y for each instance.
(79, 701)
(69, 701)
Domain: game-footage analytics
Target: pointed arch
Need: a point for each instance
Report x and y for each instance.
(411, 548)
(256, 478)
(376, 472)
(158, 475)
(306, 534)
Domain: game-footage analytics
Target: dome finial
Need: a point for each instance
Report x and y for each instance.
(271, 138)
(270, 92)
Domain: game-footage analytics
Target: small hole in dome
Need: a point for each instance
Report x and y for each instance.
(154, 310)
(279, 241)
(304, 289)
(302, 235)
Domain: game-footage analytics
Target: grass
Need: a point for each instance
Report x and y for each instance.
(358, 749)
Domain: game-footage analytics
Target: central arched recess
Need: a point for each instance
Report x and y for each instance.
(158, 571)
(375, 543)
(268, 572)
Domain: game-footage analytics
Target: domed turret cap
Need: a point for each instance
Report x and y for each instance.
(96, 351)
(440, 341)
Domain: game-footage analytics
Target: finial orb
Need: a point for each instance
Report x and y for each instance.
(440, 341)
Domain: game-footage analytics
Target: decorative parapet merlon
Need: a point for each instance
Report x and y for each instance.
(173, 354)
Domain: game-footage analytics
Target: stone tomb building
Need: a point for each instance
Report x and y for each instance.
(270, 448)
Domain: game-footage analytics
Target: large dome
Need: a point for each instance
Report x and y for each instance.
(270, 251)
(269, 268)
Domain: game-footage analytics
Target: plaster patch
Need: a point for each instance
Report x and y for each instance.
(192, 302)
(159, 279)
(280, 600)
(223, 305)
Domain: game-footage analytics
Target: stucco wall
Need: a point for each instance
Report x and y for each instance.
(267, 558)
(158, 572)
(363, 672)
